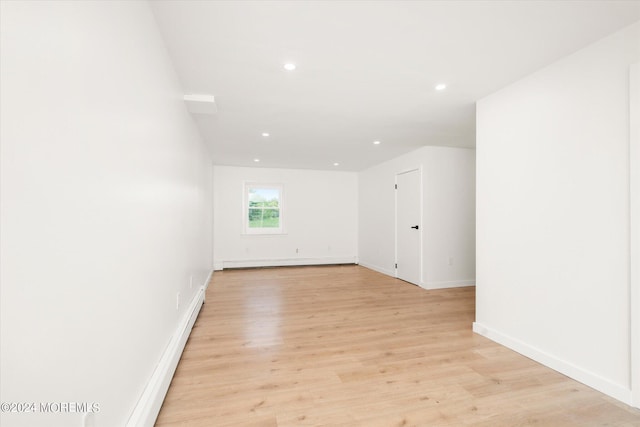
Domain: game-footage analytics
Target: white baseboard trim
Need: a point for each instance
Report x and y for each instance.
(218, 265)
(286, 262)
(449, 284)
(386, 271)
(148, 406)
(206, 283)
(572, 371)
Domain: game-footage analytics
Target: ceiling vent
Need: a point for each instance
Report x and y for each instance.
(200, 104)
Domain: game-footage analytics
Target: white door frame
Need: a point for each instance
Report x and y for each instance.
(634, 229)
(421, 229)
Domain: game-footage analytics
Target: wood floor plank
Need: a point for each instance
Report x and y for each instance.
(346, 346)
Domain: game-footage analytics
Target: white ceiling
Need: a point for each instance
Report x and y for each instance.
(366, 70)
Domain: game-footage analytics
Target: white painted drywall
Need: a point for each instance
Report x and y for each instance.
(634, 193)
(448, 217)
(553, 214)
(105, 206)
(320, 218)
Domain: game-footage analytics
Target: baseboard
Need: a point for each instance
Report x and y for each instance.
(206, 282)
(449, 284)
(285, 262)
(386, 271)
(572, 371)
(148, 406)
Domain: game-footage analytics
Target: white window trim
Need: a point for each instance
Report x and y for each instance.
(245, 209)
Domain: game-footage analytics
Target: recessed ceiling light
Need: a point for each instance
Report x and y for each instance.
(265, 133)
(289, 66)
(376, 142)
(256, 160)
(441, 86)
(336, 164)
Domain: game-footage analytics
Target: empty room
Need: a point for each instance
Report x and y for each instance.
(319, 213)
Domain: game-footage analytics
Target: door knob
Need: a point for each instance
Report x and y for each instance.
(415, 226)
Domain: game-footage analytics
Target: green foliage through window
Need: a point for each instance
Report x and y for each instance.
(264, 208)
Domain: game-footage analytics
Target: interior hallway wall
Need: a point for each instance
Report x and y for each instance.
(448, 216)
(320, 218)
(105, 206)
(553, 214)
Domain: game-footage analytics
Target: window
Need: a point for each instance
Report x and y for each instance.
(263, 209)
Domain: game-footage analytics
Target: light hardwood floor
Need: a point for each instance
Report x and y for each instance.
(346, 346)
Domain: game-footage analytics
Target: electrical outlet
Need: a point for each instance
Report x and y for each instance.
(178, 301)
(297, 250)
(450, 261)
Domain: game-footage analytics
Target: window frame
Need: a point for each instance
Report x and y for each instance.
(245, 209)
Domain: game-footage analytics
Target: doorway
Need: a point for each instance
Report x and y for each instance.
(408, 226)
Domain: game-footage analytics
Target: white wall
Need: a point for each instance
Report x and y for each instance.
(634, 192)
(105, 209)
(448, 220)
(553, 214)
(320, 218)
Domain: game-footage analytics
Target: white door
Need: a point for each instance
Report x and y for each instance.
(408, 227)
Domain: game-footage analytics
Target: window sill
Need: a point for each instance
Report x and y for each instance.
(245, 234)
